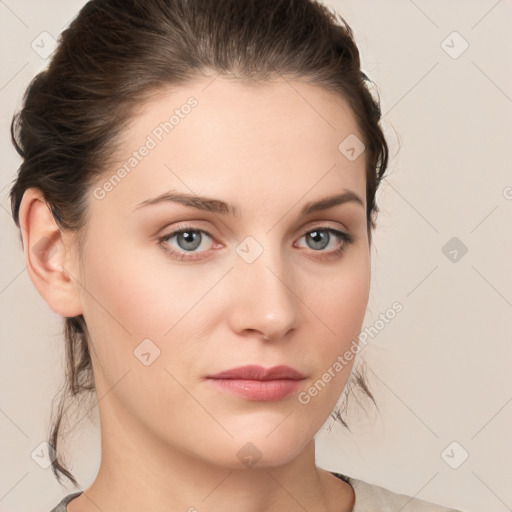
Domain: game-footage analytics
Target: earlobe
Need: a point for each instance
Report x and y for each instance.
(49, 259)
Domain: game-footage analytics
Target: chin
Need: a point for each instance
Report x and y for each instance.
(265, 448)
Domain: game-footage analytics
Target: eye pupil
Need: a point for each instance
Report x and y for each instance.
(320, 239)
(188, 237)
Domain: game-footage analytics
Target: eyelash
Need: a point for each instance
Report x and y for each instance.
(346, 238)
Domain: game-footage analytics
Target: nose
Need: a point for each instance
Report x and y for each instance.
(264, 301)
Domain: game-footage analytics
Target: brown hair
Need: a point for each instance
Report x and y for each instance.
(117, 53)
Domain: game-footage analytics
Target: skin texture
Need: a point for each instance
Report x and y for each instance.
(169, 438)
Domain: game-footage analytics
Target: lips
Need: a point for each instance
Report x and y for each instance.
(253, 372)
(255, 383)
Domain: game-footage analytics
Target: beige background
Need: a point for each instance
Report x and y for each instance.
(440, 369)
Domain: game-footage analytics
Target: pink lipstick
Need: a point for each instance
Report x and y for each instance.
(256, 383)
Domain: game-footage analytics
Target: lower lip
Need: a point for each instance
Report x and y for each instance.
(259, 390)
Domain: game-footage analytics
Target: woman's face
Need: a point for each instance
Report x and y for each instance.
(259, 282)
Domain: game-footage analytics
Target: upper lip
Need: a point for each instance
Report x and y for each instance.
(254, 372)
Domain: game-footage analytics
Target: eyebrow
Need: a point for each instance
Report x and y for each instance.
(221, 207)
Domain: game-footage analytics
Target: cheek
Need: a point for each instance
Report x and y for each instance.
(134, 295)
(141, 316)
(132, 289)
(341, 300)
(340, 304)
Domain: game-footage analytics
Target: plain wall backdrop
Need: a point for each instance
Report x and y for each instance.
(440, 370)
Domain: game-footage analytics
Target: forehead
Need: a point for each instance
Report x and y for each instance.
(237, 140)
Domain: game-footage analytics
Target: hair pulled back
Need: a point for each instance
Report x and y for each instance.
(116, 54)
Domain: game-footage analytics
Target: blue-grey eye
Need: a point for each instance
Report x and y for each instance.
(188, 240)
(320, 239)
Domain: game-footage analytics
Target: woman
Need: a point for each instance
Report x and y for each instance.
(197, 198)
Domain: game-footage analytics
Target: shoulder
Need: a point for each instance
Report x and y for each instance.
(61, 506)
(369, 497)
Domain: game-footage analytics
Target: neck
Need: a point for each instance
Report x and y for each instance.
(138, 472)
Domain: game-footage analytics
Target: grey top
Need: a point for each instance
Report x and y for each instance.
(369, 498)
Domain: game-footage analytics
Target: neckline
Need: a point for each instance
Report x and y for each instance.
(74, 495)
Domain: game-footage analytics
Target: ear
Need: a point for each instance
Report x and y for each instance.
(49, 256)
